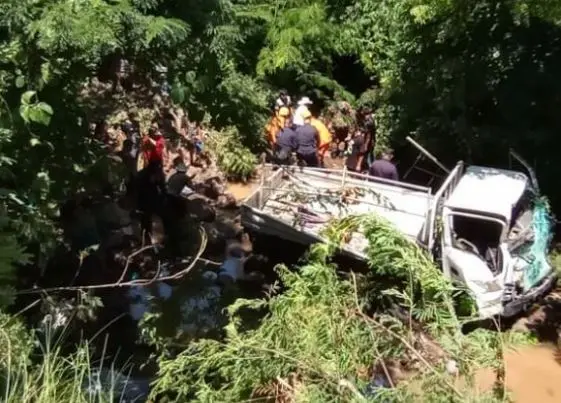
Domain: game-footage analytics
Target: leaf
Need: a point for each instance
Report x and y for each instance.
(178, 94)
(34, 142)
(38, 114)
(46, 108)
(20, 82)
(27, 97)
(24, 113)
(45, 72)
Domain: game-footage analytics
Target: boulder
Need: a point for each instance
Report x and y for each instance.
(226, 201)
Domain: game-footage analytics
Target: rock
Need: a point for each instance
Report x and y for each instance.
(220, 231)
(193, 171)
(452, 367)
(521, 325)
(200, 209)
(209, 173)
(226, 200)
(217, 187)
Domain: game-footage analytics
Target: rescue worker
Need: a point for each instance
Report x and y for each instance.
(276, 124)
(303, 104)
(283, 100)
(307, 139)
(325, 138)
(286, 144)
(384, 167)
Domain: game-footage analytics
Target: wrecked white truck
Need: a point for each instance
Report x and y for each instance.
(486, 227)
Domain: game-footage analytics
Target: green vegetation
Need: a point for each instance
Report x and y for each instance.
(469, 79)
(318, 344)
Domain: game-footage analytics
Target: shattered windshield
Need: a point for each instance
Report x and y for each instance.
(529, 244)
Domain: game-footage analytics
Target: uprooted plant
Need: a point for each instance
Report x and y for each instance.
(236, 161)
(325, 339)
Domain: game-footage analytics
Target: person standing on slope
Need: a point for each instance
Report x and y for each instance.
(286, 144)
(325, 138)
(384, 167)
(303, 104)
(283, 100)
(307, 139)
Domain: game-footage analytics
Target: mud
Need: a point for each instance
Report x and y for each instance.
(533, 374)
(241, 190)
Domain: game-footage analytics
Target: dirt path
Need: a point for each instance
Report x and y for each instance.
(533, 375)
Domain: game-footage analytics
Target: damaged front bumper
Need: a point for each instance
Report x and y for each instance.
(523, 301)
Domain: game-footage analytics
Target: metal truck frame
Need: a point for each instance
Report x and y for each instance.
(484, 226)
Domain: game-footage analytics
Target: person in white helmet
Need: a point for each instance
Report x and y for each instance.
(298, 119)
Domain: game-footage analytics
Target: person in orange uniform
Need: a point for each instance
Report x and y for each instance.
(276, 124)
(325, 138)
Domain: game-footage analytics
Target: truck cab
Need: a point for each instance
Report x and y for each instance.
(494, 238)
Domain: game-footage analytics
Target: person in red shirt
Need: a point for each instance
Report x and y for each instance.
(155, 146)
(151, 179)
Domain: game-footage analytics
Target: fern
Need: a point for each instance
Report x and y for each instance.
(317, 344)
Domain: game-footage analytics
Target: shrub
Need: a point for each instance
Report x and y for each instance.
(318, 344)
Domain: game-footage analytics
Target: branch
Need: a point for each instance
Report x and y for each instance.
(134, 283)
(401, 339)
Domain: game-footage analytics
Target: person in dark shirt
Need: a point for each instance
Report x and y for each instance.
(367, 126)
(150, 187)
(283, 100)
(286, 143)
(176, 208)
(384, 168)
(355, 152)
(128, 159)
(307, 140)
(131, 128)
(178, 180)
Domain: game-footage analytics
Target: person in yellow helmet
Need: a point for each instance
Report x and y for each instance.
(325, 138)
(283, 114)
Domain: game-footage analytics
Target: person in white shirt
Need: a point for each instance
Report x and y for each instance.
(298, 119)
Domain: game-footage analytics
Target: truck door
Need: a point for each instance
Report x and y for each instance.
(531, 173)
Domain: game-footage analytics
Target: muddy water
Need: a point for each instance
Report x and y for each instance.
(241, 190)
(533, 374)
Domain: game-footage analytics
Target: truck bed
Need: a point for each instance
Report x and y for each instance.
(282, 204)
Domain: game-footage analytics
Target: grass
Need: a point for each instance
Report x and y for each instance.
(51, 376)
